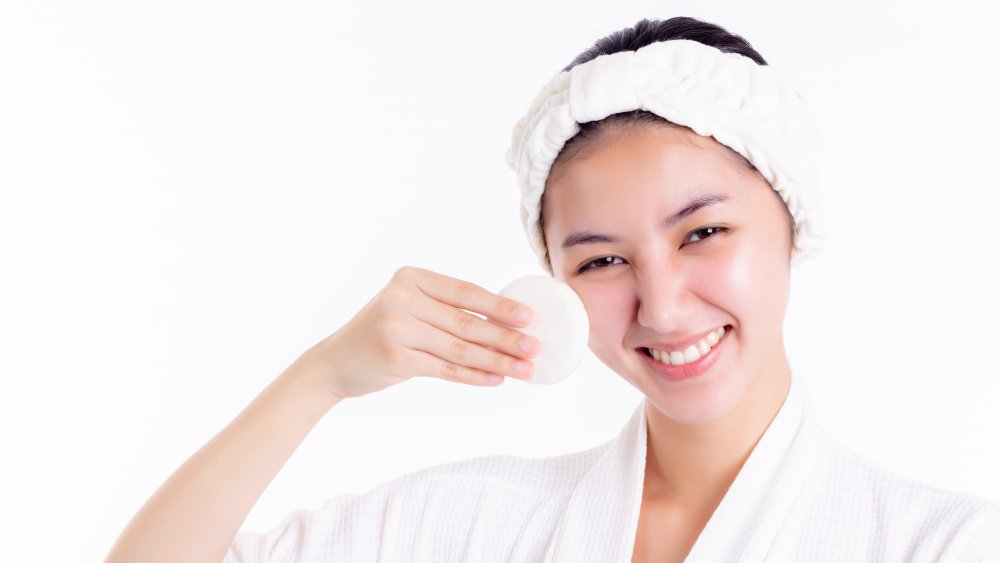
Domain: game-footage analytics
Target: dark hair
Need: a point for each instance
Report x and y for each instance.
(633, 38)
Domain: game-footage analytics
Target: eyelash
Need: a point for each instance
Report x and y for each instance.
(590, 265)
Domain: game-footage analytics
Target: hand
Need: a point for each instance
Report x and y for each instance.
(416, 325)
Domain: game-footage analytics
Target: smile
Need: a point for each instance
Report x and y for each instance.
(691, 353)
(694, 360)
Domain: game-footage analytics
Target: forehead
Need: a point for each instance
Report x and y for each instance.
(647, 163)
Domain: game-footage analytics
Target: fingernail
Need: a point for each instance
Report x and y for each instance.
(527, 344)
(520, 314)
(522, 367)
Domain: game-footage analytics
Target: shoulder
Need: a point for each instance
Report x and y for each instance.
(509, 474)
(900, 515)
(869, 481)
(483, 508)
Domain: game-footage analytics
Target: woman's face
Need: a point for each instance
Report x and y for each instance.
(657, 283)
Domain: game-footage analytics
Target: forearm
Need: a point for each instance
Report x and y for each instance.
(196, 513)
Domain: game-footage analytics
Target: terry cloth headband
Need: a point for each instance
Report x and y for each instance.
(743, 105)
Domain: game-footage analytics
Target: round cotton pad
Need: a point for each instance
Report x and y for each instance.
(560, 324)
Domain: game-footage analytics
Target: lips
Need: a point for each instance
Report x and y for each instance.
(691, 369)
(681, 345)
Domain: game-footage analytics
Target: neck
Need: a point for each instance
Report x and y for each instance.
(693, 465)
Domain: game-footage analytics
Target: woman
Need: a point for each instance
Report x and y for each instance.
(665, 178)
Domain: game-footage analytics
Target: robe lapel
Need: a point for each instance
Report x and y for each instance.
(600, 520)
(602, 515)
(749, 519)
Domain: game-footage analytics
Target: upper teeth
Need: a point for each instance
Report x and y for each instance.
(692, 352)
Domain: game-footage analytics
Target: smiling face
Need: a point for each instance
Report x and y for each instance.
(648, 282)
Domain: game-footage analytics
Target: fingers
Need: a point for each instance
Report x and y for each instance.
(469, 327)
(467, 295)
(424, 363)
(455, 350)
(455, 343)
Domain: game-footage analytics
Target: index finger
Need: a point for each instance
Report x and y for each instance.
(473, 298)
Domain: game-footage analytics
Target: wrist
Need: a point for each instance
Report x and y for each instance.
(311, 385)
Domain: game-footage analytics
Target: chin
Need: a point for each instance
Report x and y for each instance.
(699, 402)
(696, 410)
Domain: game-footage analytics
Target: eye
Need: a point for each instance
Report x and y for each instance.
(593, 264)
(602, 262)
(708, 231)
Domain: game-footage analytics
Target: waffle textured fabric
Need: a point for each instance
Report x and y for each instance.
(800, 496)
(748, 107)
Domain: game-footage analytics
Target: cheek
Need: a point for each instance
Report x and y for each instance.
(733, 281)
(749, 281)
(610, 313)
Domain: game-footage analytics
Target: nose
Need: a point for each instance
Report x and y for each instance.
(660, 292)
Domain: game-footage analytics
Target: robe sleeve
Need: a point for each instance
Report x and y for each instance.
(494, 508)
(982, 542)
(345, 528)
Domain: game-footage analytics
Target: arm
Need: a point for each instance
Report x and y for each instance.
(196, 513)
(418, 324)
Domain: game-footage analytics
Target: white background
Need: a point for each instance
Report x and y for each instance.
(193, 193)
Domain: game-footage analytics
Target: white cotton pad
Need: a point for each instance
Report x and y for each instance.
(560, 324)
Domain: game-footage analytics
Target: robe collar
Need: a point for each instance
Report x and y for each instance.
(602, 514)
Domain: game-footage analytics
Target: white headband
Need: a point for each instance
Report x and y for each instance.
(743, 105)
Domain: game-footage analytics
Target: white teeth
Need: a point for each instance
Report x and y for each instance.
(712, 338)
(691, 353)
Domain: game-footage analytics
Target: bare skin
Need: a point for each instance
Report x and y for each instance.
(666, 532)
(654, 283)
(418, 325)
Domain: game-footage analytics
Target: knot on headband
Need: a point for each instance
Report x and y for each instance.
(743, 105)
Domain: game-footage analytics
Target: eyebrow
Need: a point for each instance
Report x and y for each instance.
(696, 203)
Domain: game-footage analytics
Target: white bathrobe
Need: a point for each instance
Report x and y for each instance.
(800, 496)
